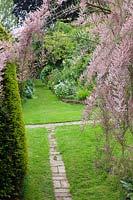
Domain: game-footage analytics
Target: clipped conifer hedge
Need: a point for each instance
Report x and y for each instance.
(13, 156)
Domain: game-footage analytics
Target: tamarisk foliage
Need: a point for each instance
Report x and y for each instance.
(112, 63)
(21, 50)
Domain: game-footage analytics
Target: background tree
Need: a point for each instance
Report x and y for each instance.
(57, 9)
(7, 17)
(21, 8)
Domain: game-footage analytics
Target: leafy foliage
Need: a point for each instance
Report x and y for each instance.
(53, 78)
(26, 89)
(65, 89)
(7, 19)
(45, 73)
(28, 92)
(58, 44)
(128, 186)
(3, 34)
(82, 93)
(66, 58)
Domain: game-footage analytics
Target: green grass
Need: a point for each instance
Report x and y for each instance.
(45, 107)
(38, 181)
(78, 151)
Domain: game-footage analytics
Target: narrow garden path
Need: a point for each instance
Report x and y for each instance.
(53, 125)
(60, 182)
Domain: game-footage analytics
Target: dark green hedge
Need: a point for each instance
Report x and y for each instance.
(12, 138)
(13, 157)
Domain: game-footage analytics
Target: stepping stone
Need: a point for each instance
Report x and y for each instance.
(55, 153)
(61, 184)
(61, 190)
(57, 184)
(64, 184)
(62, 194)
(57, 174)
(61, 169)
(56, 178)
(56, 163)
(54, 169)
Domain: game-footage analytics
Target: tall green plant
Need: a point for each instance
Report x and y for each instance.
(12, 136)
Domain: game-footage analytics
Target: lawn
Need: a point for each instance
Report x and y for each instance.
(78, 151)
(45, 107)
(38, 181)
(77, 148)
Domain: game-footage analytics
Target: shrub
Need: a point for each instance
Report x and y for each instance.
(45, 72)
(13, 156)
(58, 44)
(82, 93)
(84, 90)
(54, 78)
(26, 89)
(65, 89)
(12, 138)
(128, 186)
(68, 74)
(28, 92)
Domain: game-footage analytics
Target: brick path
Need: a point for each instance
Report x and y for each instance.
(60, 182)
